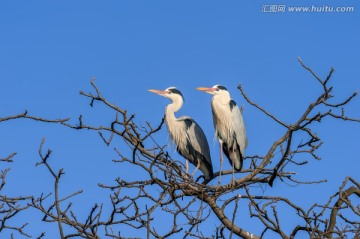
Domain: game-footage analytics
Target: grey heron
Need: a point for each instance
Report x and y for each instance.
(189, 138)
(229, 126)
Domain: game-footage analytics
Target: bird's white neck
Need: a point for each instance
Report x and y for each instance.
(171, 120)
(223, 98)
(175, 106)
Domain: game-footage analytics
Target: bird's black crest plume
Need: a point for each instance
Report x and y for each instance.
(175, 91)
(220, 87)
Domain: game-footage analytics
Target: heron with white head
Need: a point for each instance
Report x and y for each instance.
(189, 138)
(229, 126)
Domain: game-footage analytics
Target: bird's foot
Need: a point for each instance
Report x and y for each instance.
(188, 177)
(218, 186)
(233, 183)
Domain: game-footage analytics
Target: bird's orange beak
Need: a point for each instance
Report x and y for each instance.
(206, 89)
(159, 92)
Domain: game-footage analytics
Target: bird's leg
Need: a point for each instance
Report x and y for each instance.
(187, 169)
(233, 170)
(197, 167)
(221, 163)
(233, 174)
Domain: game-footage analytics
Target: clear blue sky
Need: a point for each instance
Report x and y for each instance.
(50, 50)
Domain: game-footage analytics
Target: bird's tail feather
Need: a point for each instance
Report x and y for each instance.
(234, 155)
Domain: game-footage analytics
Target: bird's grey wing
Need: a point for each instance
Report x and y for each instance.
(239, 126)
(197, 139)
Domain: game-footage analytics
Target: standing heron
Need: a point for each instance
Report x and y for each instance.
(229, 126)
(189, 138)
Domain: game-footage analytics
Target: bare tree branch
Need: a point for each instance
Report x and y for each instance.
(186, 205)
